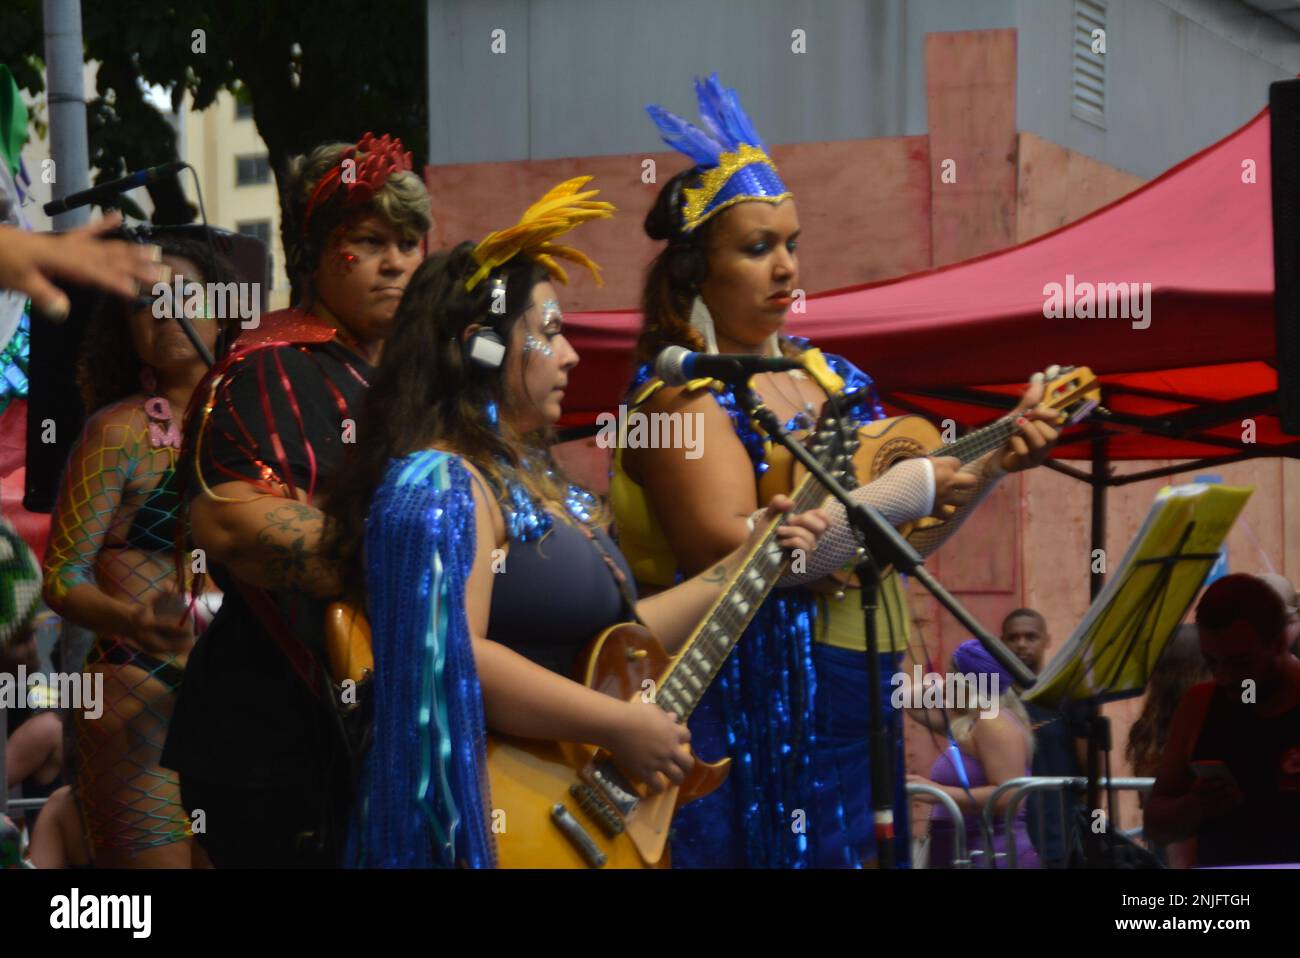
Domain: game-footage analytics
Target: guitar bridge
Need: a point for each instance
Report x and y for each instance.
(614, 788)
(600, 810)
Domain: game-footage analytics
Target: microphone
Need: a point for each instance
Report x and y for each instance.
(97, 194)
(677, 365)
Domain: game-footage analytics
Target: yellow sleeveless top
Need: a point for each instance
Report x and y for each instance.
(644, 545)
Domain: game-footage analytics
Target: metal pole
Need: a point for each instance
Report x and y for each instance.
(64, 70)
(1099, 479)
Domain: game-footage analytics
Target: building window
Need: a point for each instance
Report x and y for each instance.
(243, 111)
(1089, 103)
(252, 170)
(260, 229)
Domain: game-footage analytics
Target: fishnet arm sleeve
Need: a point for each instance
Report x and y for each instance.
(987, 472)
(94, 479)
(903, 494)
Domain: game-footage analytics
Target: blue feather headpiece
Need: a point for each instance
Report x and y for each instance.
(734, 165)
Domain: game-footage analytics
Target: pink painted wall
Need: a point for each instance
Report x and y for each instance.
(864, 208)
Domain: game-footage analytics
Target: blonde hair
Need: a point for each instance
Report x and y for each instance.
(963, 726)
(402, 202)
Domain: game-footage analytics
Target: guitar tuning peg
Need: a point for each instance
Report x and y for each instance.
(1053, 372)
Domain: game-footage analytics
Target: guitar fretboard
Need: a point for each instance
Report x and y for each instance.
(712, 641)
(975, 444)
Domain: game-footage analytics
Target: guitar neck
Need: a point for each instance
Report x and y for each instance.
(975, 444)
(702, 656)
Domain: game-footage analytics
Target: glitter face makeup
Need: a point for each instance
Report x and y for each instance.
(533, 344)
(552, 321)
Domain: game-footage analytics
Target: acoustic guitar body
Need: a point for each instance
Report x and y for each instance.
(881, 444)
(604, 820)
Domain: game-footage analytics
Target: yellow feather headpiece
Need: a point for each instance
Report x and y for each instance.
(553, 215)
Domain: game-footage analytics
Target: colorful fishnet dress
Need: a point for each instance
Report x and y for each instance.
(114, 528)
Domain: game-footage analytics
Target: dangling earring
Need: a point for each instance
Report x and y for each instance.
(702, 323)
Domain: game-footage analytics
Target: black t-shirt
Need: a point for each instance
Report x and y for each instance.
(243, 716)
(1263, 755)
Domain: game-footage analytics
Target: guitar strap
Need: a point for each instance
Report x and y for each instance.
(619, 576)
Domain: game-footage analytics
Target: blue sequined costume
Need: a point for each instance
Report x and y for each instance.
(422, 798)
(764, 708)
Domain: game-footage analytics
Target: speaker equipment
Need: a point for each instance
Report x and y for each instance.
(54, 413)
(1284, 115)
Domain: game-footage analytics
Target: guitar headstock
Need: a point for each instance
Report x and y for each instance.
(834, 449)
(1072, 391)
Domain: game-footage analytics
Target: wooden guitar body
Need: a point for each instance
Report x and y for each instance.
(529, 779)
(881, 444)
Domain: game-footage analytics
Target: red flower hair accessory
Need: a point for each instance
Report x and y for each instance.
(361, 177)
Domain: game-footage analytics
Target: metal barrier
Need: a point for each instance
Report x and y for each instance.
(1027, 784)
(959, 857)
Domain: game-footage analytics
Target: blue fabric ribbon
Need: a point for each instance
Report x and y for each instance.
(422, 798)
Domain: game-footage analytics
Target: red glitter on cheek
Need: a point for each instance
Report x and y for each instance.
(344, 262)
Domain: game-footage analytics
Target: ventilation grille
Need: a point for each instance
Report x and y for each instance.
(1089, 101)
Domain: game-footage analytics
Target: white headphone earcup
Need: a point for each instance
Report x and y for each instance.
(487, 349)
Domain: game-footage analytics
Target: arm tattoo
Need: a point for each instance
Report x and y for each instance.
(715, 575)
(291, 539)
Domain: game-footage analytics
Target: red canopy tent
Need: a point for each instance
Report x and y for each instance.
(939, 342)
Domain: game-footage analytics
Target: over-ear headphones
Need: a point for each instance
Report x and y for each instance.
(485, 348)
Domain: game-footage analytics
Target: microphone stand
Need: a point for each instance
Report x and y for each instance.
(881, 546)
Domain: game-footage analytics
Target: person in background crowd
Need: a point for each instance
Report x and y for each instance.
(984, 751)
(58, 840)
(1179, 667)
(1060, 744)
(34, 746)
(1230, 771)
(1287, 593)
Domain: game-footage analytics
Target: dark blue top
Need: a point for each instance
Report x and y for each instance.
(556, 594)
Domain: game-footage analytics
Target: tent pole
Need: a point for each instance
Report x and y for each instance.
(1098, 480)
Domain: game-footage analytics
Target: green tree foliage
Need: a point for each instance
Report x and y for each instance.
(314, 73)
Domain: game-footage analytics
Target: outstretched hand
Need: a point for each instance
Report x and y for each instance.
(30, 261)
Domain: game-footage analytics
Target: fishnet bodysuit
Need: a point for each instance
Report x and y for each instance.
(110, 529)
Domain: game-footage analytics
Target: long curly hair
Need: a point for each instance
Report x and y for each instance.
(426, 391)
(1179, 667)
(108, 368)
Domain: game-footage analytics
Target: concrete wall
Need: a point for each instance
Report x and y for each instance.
(576, 74)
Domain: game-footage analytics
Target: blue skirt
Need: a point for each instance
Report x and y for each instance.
(706, 833)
